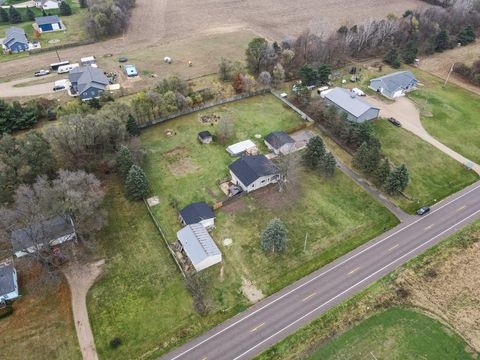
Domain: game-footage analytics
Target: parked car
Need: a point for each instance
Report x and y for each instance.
(423, 210)
(394, 121)
(42, 72)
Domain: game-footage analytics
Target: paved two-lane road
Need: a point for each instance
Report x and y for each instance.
(269, 321)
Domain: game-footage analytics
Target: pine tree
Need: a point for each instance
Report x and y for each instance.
(83, 4)
(30, 15)
(410, 53)
(367, 157)
(275, 236)
(392, 59)
(467, 35)
(382, 173)
(124, 161)
(327, 165)
(314, 152)
(65, 9)
(441, 41)
(4, 15)
(14, 15)
(308, 74)
(323, 73)
(397, 180)
(132, 126)
(136, 184)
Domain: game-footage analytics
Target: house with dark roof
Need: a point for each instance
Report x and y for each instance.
(8, 281)
(51, 232)
(254, 172)
(279, 142)
(198, 213)
(15, 40)
(348, 102)
(205, 137)
(196, 243)
(49, 23)
(395, 84)
(87, 82)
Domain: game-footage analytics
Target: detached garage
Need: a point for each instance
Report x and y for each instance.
(49, 23)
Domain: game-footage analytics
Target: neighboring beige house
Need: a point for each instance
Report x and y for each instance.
(280, 142)
(47, 4)
(254, 172)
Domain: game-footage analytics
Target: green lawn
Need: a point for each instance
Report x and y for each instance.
(396, 334)
(455, 115)
(433, 175)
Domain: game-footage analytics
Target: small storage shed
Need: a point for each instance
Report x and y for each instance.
(197, 244)
(242, 147)
(198, 212)
(280, 142)
(205, 137)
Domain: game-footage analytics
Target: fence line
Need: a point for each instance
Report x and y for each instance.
(61, 46)
(157, 225)
(293, 107)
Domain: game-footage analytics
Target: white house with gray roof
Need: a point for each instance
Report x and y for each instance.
(280, 142)
(395, 84)
(357, 109)
(197, 244)
(8, 281)
(254, 172)
(87, 82)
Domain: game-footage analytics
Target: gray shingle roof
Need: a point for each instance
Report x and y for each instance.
(87, 77)
(395, 81)
(7, 280)
(204, 134)
(278, 138)
(196, 212)
(13, 35)
(43, 20)
(250, 168)
(348, 101)
(41, 233)
(197, 243)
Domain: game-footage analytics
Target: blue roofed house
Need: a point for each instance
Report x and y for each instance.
(87, 82)
(15, 40)
(347, 101)
(197, 244)
(395, 84)
(8, 281)
(49, 23)
(254, 172)
(199, 212)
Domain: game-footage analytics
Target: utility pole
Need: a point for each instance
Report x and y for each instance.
(58, 56)
(448, 75)
(305, 243)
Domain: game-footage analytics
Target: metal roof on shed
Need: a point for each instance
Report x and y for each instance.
(349, 101)
(197, 243)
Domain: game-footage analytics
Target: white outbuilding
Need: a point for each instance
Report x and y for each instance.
(243, 147)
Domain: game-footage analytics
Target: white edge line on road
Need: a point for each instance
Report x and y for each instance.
(353, 286)
(321, 274)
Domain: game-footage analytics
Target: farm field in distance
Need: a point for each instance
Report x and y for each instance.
(396, 333)
(141, 282)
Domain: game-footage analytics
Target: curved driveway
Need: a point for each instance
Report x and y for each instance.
(12, 89)
(274, 318)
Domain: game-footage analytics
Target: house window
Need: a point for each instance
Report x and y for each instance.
(263, 181)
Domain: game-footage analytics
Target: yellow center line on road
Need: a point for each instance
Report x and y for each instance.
(429, 227)
(393, 247)
(309, 296)
(356, 269)
(461, 208)
(257, 327)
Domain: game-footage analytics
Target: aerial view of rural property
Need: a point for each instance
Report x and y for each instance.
(235, 180)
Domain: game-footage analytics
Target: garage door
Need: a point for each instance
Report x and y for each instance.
(55, 27)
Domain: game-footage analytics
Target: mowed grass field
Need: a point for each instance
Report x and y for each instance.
(396, 333)
(433, 174)
(142, 298)
(454, 116)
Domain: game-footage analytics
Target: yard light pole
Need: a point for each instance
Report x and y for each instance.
(305, 243)
(448, 75)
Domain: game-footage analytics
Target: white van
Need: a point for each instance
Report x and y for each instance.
(66, 68)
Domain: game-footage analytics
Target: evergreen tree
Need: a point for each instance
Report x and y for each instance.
(410, 53)
(136, 183)
(441, 41)
(124, 161)
(65, 9)
(397, 180)
(367, 157)
(314, 152)
(14, 15)
(308, 74)
(467, 35)
(382, 173)
(392, 59)
(327, 165)
(83, 4)
(323, 73)
(4, 15)
(95, 103)
(275, 236)
(132, 126)
(29, 14)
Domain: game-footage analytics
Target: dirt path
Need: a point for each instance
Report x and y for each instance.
(81, 277)
(14, 88)
(405, 111)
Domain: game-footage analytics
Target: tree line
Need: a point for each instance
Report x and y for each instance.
(108, 18)
(469, 73)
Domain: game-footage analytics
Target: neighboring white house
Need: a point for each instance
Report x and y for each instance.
(254, 172)
(395, 84)
(280, 142)
(50, 232)
(47, 4)
(242, 147)
(8, 281)
(198, 213)
(197, 244)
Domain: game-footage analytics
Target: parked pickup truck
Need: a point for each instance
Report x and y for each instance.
(42, 72)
